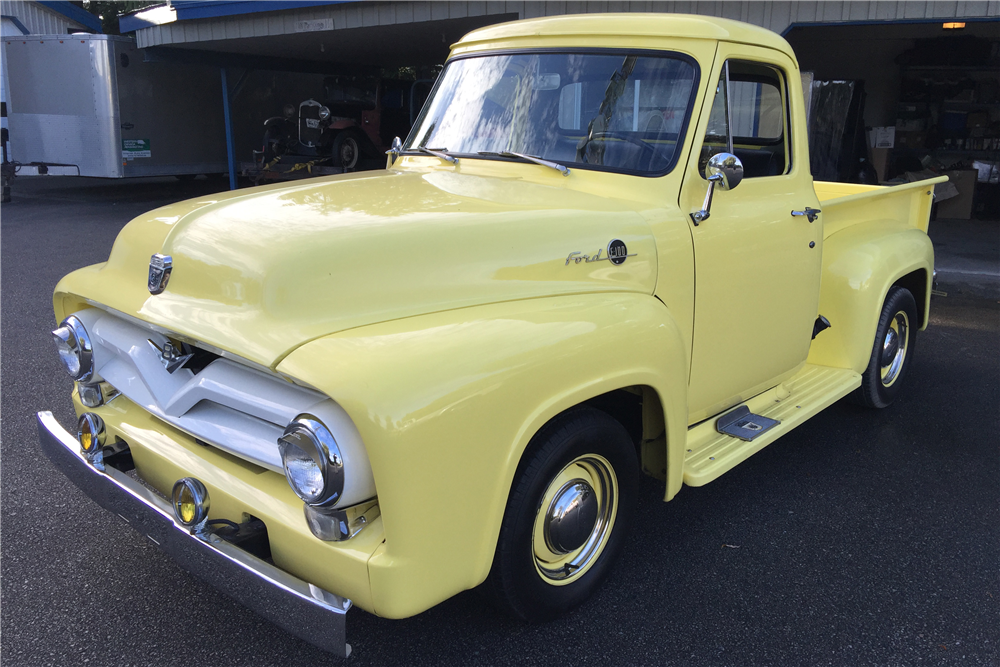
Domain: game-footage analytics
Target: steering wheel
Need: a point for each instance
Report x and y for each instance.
(610, 134)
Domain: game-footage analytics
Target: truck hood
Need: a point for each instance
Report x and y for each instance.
(262, 271)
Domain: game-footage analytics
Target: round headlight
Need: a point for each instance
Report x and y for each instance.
(312, 460)
(75, 350)
(90, 431)
(190, 501)
(289, 111)
(324, 113)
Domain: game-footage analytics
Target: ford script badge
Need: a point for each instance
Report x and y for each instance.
(159, 272)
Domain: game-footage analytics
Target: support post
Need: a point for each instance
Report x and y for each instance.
(229, 130)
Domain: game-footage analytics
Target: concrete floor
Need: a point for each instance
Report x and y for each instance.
(861, 538)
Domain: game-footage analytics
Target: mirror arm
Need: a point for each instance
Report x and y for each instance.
(702, 215)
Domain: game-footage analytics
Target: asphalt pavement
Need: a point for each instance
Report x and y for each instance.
(861, 538)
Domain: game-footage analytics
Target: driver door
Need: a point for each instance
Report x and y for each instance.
(757, 267)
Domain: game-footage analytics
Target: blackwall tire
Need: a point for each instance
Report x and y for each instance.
(346, 151)
(892, 351)
(569, 512)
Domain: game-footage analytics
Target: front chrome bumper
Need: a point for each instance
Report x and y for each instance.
(304, 610)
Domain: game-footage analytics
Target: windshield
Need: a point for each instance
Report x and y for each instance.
(607, 111)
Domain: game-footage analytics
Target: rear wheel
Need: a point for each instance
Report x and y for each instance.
(892, 352)
(567, 516)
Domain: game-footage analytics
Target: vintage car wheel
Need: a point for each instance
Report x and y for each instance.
(892, 351)
(346, 151)
(567, 516)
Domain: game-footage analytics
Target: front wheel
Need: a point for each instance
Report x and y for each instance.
(567, 517)
(346, 151)
(892, 352)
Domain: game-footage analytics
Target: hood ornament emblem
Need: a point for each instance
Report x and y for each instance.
(159, 272)
(171, 358)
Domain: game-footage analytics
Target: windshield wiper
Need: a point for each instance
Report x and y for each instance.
(530, 158)
(439, 152)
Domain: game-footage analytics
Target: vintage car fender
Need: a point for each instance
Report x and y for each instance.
(860, 264)
(447, 403)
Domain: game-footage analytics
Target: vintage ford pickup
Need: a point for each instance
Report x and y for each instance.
(599, 253)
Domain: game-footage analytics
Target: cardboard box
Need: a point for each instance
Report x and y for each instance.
(977, 119)
(880, 160)
(911, 139)
(959, 207)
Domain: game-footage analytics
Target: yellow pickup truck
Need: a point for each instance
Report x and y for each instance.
(599, 253)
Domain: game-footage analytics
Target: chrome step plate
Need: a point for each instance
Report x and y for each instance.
(743, 424)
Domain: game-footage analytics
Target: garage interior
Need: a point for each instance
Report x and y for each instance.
(931, 102)
(914, 96)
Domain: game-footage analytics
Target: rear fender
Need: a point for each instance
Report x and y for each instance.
(447, 403)
(860, 264)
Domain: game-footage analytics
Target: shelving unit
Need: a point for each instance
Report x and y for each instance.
(950, 114)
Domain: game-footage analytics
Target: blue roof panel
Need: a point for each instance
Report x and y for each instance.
(205, 9)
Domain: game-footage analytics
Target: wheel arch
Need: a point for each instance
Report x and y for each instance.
(461, 405)
(860, 265)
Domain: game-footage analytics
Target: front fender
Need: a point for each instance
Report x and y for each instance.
(860, 264)
(446, 404)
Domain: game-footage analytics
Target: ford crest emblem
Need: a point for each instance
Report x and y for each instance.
(159, 272)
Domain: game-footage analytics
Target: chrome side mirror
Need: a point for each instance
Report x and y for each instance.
(724, 170)
(394, 151)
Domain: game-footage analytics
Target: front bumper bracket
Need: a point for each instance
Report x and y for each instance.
(306, 611)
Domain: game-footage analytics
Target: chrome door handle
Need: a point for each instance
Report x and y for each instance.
(811, 213)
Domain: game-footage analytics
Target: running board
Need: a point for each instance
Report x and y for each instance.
(711, 453)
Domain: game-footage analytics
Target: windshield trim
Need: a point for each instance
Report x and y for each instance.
(654, 53)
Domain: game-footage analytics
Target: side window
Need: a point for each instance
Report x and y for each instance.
(749, 118)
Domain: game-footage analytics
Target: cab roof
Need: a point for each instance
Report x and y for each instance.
(631, 25)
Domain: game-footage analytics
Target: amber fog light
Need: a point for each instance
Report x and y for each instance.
(190, 501)
(90, 431)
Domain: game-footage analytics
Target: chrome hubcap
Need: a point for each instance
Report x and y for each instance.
(574, 519)
(571, 516)
(894, 348)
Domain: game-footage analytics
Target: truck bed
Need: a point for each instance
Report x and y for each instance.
(847, 204)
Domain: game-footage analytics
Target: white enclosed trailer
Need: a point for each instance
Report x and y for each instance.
(90, 105)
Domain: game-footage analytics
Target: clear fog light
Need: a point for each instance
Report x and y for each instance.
(312, 460)
(90, 431)
(190, 501)
(75, 350)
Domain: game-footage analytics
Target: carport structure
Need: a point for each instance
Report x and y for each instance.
(329, 35)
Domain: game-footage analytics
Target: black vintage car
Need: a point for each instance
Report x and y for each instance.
(356, 121)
